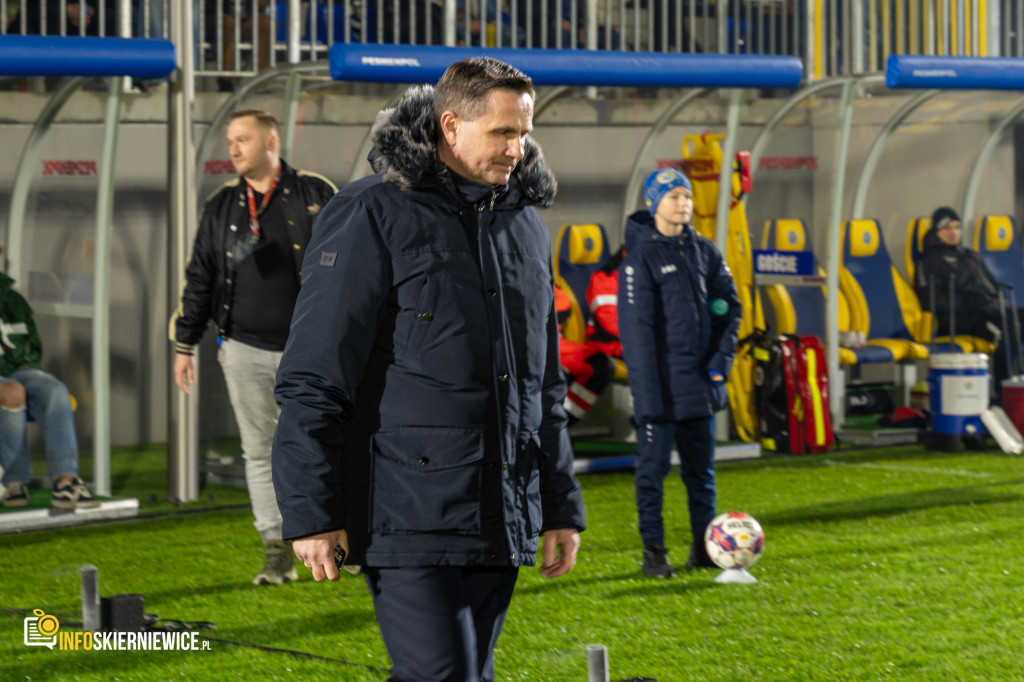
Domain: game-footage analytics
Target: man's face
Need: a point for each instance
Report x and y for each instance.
(487, 149)
(950, 232)
(253, 150)
(676, 207)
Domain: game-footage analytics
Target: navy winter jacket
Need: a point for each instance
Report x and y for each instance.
(421, 399)
(670, 341)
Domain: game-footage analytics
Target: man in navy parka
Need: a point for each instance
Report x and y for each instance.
(422, 427)
(678, 319)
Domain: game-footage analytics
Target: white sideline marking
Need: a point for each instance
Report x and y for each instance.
(910, 469)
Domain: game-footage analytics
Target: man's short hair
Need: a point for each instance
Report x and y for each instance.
(465, 86)
(264, 119)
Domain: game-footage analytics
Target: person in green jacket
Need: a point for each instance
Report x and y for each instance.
(27, 389)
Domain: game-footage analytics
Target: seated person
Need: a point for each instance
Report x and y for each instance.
(978, 310)
(603, 300)
(588, 370)
(25, 387)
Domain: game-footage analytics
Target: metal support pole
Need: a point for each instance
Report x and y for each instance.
(641, 166)
(182, 431)
(867, 172)
(974, 178)
(725, 172)
(814, 55)
(90, 598)
(124, 18)
(591, 33)
(101, 290)
(23, 176)
(295, 32)
(449, 22)
(292, 90)
(857, 37)
(835, 372)
(597, 663)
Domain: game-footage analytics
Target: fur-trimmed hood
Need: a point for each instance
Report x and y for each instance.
(405, 153)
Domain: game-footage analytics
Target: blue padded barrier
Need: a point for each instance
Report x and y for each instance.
(955, 73)
(425, 64)
(89, 56)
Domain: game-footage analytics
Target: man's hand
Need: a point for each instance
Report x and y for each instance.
(184, 372)
(560, 547)
(317, 553)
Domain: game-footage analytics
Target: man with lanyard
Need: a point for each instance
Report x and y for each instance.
(244, 276)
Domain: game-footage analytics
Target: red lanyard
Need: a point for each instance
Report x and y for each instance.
(254, 213)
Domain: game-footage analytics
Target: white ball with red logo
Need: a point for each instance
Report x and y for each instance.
(734, 540)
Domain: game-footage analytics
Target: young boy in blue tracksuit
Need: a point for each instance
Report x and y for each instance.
(678, 318)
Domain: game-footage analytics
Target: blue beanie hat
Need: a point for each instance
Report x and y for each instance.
(661, 182)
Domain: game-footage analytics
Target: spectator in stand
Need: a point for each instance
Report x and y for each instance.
(551, 21)
(245, 21)
(603, 301)
(588, 370)
(70, 23)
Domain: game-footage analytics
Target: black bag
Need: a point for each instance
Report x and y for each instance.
(791, 393)
(870, 398)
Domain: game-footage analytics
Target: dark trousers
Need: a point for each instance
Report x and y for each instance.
(441, 623)
(693, 439)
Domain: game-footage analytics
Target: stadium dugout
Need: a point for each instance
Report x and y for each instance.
(80, 58)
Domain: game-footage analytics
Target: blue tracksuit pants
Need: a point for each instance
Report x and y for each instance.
(693, 438)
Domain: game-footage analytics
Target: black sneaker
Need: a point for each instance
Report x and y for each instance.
(73, 495)
(699, 557)
(15, 495)
(656, 563)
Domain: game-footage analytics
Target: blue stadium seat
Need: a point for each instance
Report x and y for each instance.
(580, 251)
(916, 231)
(996, 239)
(801, 310)
(882, 304)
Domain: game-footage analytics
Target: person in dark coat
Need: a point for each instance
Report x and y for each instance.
(978, 308)
(678, 318)
(422, 432)
(243, 276)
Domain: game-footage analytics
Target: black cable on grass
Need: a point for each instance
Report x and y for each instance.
(157, 624)
(276, 650)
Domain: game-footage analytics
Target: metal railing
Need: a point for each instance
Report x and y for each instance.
(834, 37)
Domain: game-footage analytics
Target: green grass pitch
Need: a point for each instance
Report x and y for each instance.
(896, 564)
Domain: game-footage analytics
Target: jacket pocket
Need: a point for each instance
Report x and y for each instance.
(426, 480)
(417, 300)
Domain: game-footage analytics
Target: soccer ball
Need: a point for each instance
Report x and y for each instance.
(734, 540)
